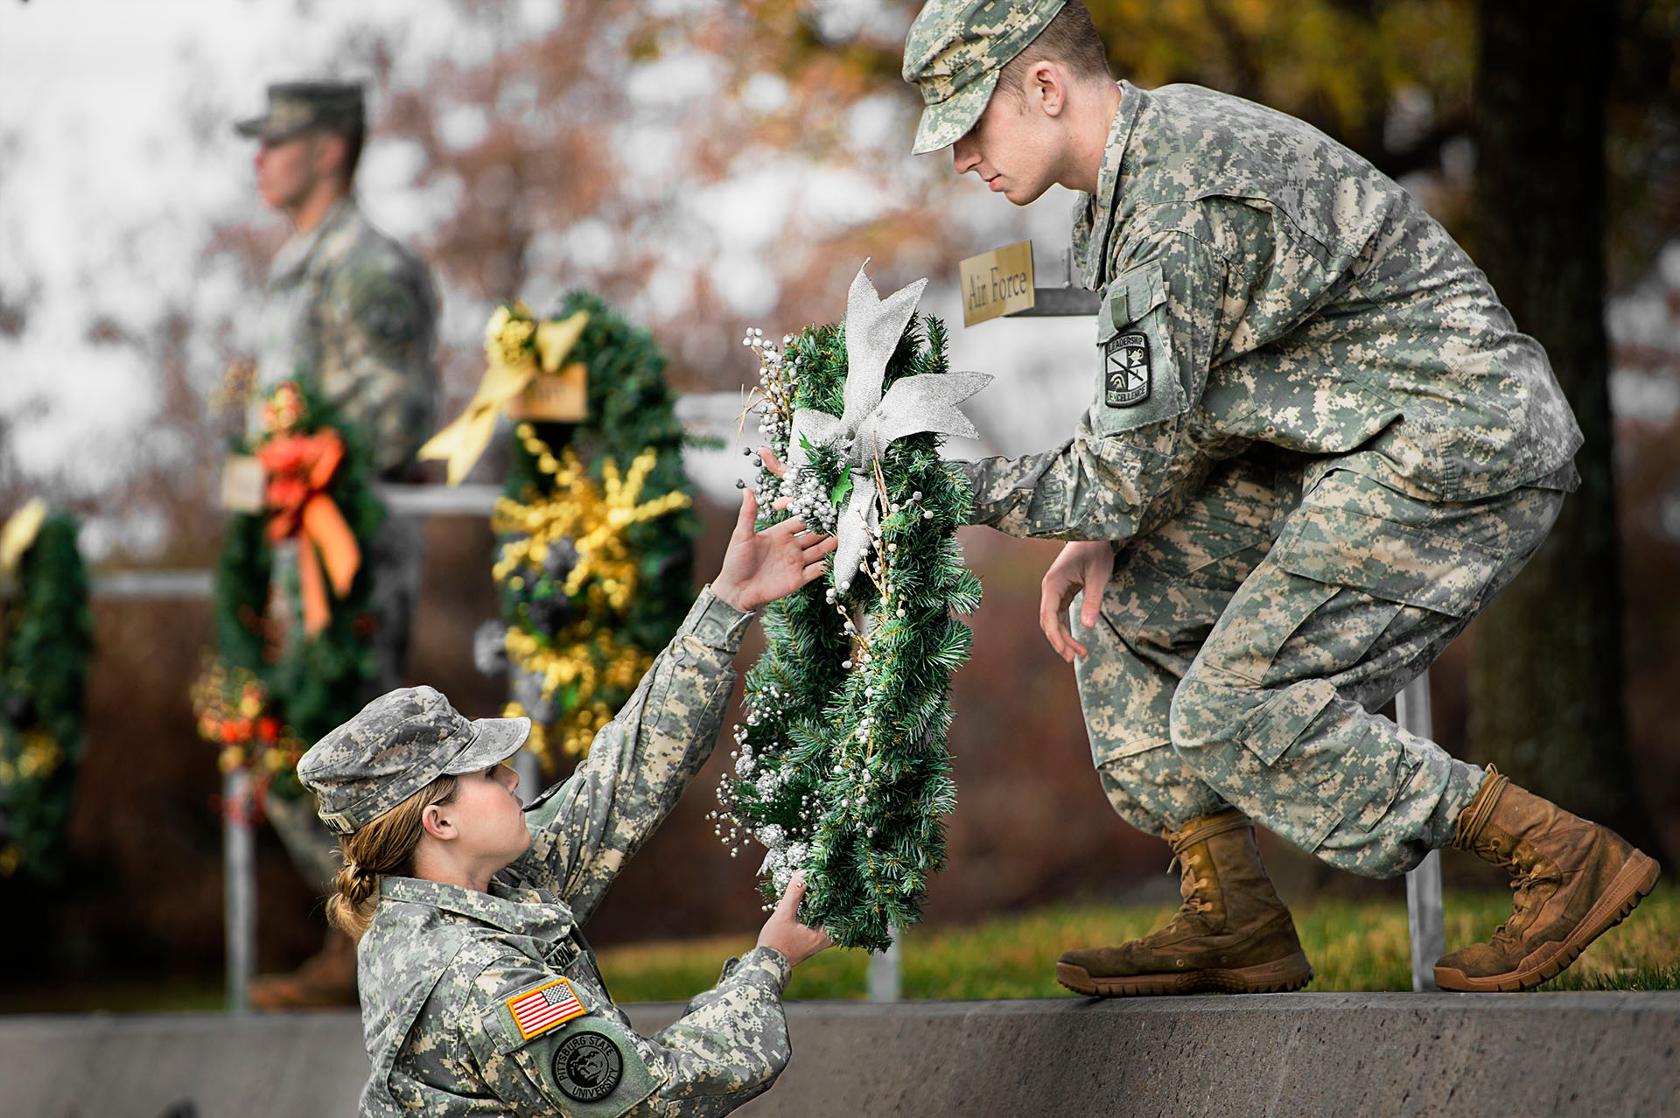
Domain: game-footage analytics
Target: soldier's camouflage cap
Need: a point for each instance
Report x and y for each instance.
(298, 107)
(954, 53)
(398, 744)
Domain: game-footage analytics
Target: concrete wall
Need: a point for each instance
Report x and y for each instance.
(1298, 1054)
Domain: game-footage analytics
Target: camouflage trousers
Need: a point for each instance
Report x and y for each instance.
(1247, 645)
(396, 553)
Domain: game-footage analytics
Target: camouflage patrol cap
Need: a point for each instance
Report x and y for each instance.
(298, 107)
(398, 744)
(954, 53)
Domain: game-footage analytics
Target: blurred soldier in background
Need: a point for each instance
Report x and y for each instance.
(355, 311)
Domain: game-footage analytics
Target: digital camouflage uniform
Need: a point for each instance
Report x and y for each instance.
(1318, 442)
(357, 311)
(441, 964)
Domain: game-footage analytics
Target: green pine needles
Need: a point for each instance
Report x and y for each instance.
(841, 766)
(46, 637)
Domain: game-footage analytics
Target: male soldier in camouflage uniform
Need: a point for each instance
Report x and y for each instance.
(455, 980)
(355, 310)
(1318, 446)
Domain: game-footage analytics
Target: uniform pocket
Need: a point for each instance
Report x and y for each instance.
(1137, 380)
(1337, 581)
(1437, 571)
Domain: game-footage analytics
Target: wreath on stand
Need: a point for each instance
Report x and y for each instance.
(595, 528)
(841, 766)
(294, 653)
(46, 636)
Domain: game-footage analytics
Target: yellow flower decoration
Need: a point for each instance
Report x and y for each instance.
(585, 658)
(40, 755)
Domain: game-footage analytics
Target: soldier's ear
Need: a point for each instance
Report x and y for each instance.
(1049, 81)
(331, 150)
(434, 823)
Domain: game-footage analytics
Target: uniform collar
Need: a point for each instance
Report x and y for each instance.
(1093, 225)
(294, 256)
(510, 908)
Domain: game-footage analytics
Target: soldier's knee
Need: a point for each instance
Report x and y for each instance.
(1207, 719)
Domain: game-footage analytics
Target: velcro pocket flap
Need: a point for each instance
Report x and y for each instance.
(1284, 717)
(1436, 571)
(1137, 292)
(1138, 380)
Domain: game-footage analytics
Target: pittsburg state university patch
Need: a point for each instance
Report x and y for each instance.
(587, 1066)
(1126, 370)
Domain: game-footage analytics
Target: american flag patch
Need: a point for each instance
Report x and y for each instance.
(539, 1010)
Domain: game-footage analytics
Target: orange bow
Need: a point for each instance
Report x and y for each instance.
(299, 468)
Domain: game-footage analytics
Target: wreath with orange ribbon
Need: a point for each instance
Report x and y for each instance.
(294, 650)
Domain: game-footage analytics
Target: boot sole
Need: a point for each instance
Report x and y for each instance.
(1278, 977)
(1632, 885)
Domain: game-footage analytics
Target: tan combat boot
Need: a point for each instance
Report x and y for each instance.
(1232, 935)
(326, 980)
(1574, 881)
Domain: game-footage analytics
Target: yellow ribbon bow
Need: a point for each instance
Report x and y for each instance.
(17, 536)
(511, 366)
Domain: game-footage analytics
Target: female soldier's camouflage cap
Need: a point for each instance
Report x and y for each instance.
(954, 53)
(398, 744)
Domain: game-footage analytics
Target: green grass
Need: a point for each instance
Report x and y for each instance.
(116, 996)
(1352, 945)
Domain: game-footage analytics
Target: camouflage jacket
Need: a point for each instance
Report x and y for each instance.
(1262, 284)
(467, 997)
(358, 311)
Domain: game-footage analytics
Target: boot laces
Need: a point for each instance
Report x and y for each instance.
(1523, 902)
(1191, 885)
(1197, 876)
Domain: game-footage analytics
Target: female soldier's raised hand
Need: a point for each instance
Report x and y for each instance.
(760, 567)
(786, 934)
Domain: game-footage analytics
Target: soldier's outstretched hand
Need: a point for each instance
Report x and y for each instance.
(1082, 566)
(783, 931)
(760, 567)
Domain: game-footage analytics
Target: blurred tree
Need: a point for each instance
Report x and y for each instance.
(1390, 80)
(1546, 676)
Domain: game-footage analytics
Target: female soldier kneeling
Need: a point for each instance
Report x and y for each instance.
(479, 993)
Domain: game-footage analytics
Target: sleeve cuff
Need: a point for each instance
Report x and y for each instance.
(969, 471)
(715, 623)
(764, 967)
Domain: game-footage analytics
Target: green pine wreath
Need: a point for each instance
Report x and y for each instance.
(575, 656)
(841, 767)
(265, 698)
(46, 637)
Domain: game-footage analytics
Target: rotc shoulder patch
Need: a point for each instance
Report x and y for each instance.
(544, 1007)
(1126, 377)
(587, 1066)
(387, 309)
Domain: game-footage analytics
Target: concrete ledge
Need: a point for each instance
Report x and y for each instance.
(1291, 1054)
(181, 1066)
